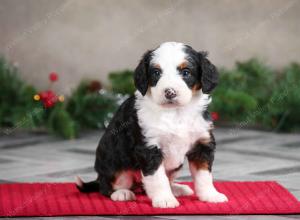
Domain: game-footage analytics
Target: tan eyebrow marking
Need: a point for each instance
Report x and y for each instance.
(156, 66)
(200, 165)
(196, 88)
(183, 65)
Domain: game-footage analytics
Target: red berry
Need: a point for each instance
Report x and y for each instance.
(48, 98)
(215, 116)
(53, 76)
(43, 95)
(48, 104)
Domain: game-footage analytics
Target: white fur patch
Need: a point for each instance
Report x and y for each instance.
(122, 195)
(158, 189)
(205, 190)
(169, 56)
(181, 190)
(174, 130)
(165, 202)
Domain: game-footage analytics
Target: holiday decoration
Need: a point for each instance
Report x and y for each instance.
(17, 108)
(36, 97)
(53, 76)
(250, 92)
(122, 82)
(49, 97)
(61, 98)
(90, 105)
(61, 123)
(94, 86)
(215, 116)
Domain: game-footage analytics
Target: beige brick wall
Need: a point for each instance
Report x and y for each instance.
(89, 38)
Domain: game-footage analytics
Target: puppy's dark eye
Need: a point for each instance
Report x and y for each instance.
(156, 72)
(185, 72)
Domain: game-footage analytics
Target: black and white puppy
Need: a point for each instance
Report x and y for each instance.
(154, 130)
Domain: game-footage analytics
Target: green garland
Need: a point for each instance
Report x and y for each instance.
(251, 93)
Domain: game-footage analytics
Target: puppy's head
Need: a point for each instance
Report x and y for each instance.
(173, 73)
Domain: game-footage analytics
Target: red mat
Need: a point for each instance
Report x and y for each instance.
(61, 199)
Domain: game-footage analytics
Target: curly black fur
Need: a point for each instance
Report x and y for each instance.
(203, 153)
(122, 147)
(208, 73)
(141, 73)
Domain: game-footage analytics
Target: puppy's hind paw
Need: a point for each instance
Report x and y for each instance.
(122, 195)
(181, 190)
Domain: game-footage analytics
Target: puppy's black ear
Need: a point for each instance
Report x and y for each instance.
(210, 75)
(141, 73)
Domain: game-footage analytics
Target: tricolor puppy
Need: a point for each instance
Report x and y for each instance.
(154, 131)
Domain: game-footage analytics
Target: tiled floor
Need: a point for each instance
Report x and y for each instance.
(241, 155)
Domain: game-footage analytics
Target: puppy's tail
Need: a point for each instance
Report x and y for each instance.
(92, 186)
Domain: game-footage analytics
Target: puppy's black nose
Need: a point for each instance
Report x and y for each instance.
(170, 93)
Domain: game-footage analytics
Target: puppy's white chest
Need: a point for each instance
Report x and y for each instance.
(179, 135)
(174, 132)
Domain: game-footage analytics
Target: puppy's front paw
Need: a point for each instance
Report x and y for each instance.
(212, 196)
(165, 202)
(181, 190)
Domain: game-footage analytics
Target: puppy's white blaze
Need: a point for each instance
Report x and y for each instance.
(78, 181)
(204, 186)
(169, 56)
(158, 189)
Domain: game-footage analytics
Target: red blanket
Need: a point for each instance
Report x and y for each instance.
(61, 199)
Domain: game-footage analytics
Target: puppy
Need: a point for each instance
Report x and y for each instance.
(154, 130)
